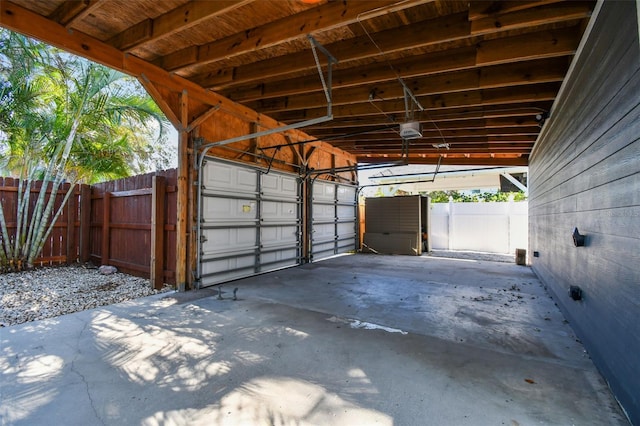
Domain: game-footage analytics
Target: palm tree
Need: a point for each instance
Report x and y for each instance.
(64, 121)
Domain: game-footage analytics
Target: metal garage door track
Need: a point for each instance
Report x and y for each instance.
(354, 340)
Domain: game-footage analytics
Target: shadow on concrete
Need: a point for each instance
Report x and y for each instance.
(362, 340)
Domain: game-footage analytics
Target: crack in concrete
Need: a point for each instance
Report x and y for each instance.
(84, 380)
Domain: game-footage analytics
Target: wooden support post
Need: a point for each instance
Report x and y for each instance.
(72, 212)
(85, 223)
(194, 244)
(159, 188)
(182, 220)
(333, 166)
(253, 148)
(106, 219)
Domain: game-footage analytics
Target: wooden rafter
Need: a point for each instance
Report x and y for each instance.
(545, 71)
(471, 98)
(483, 70)
(325, 17)
(173, 22)
(72, 11)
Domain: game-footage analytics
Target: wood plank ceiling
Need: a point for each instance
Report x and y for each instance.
(484, 72)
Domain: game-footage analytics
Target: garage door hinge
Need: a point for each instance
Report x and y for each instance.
(203, 239)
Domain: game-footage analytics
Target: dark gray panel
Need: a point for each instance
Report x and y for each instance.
(585, 173)
(392, 214)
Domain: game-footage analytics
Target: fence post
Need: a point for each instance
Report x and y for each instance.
(450, 221)
(85, 222)
(106, 218)
(158, 193)
(72, 248)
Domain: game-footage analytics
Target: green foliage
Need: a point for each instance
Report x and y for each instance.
(47, 96)
(457, 197)
(64, 120)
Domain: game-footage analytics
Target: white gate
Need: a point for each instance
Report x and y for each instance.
(250, 221)
(333, 219)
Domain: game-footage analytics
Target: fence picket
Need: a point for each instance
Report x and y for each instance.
(109, 229)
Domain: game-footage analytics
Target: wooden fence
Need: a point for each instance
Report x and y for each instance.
(64, 237)
(128, 223)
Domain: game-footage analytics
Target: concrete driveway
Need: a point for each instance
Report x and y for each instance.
(355, 340)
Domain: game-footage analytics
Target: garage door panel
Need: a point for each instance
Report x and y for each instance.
(324, 232)
(229, 178)
(334, 218)
(346, 213)
(324, 212)
(279, 259)
(281, 186)
(346, 229)
(225, 210)
(224, 240)
(280, 211)
(323, 191)
(277, 235)
(346, 193)
(217, 271)
(250, 221)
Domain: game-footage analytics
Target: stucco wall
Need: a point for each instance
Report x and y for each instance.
(585, 173)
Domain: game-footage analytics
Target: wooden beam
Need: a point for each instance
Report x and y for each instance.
(21, 20)
(159, 187)
(464, 117)
(486, 160)
(420, 65)
(538, 44)
(173, 22)
(201, 118)
(541, 15)
(511, 75)
(437, 146)
(479, 9)
(472, 98)
(542, 44)
(422, 34)
(523, 48)
(362, 148)
(450, 135)
(183, 208)
(322, 18)
(408, 68)
(160, 101)
(297, 156)
(71, 11)
(513, 124)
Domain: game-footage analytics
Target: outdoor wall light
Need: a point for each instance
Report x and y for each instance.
(541, 117)
(575, 292)
(578, 239)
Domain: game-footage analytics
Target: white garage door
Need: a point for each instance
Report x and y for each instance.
(250, 221)
(333, 219)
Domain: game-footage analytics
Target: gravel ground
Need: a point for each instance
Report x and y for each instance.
(52, 291)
